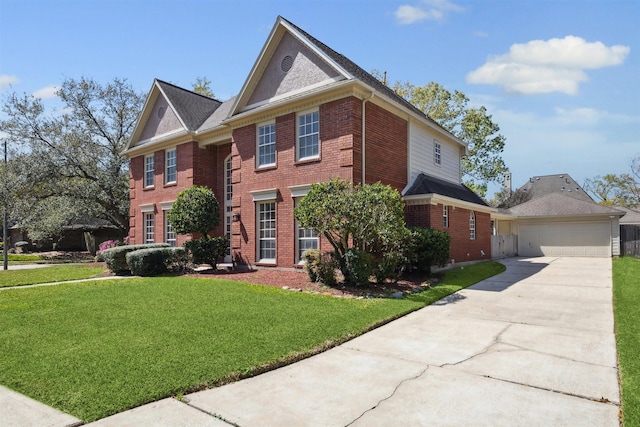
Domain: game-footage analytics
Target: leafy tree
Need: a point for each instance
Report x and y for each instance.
(69, 159)
(617, 190)
(473, 125)
(506, 201)
(367, 217)
(195, 210)
(202, 86)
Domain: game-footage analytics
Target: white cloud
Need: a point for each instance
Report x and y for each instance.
(46, 92)
(6, 80)
(432, 10)
(555, 65)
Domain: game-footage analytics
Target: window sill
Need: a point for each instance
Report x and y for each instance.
(149, 188)
(266, 264)
(307, 161)
(266, 168)
(171, 184)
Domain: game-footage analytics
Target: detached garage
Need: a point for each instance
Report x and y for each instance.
(557, 225)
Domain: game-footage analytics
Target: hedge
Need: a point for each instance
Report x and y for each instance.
(154, 261)
(115, 258)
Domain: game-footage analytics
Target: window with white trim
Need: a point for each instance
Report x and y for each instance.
(169, 234)
(445, 216)
(437, 153)
(472, 225)
(266, 145)
(266, 231)
(149, 227)
(308, 135)
(170, 169)
(306, 238)
(149, 166)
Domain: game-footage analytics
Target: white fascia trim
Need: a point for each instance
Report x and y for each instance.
(291, 94)
(434, 199)
(147, 208)
(156, 140)
(263, 195)
(300, 190)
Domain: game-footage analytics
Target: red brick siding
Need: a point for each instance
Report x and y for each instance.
(462, 247)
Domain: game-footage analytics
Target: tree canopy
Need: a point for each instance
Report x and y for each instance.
(195, 210)
(202, 86)
(474, 125)
(69, 159)
(617, 190)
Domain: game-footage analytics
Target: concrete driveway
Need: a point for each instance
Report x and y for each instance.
(532, 346)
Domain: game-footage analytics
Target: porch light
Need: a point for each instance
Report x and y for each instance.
(235, 217)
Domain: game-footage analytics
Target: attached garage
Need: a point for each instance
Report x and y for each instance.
(582, 239)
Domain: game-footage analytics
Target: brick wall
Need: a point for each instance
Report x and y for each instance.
(462, 248)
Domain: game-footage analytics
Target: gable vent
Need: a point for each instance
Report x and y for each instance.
(287, 63)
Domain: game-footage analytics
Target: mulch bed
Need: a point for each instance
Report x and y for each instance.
(298, 281)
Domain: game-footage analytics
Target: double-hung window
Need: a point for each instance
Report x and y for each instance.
(445, 216)
(149, 166)
(149, 227)
(437, 153)
(169, 234)
(472, 226)
(267, 145)
(308, 136)
(170, 169)
(307, 239)
(267, 231)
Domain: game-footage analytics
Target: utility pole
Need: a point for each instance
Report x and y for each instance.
(5, 250)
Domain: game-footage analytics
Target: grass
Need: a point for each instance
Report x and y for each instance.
(626, 307)
(92, 351)
(20, 257)
(57, 273)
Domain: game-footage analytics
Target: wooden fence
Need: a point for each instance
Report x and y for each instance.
(504, 246)
(630, 240)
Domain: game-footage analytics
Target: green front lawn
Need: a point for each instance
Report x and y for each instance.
(626, 307)
(92, 351)
(57, 273)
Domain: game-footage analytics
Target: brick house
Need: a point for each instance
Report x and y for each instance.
(305, 114)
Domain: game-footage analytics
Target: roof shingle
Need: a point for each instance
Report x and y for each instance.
(426, 184)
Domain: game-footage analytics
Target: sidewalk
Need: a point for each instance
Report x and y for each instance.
(532, 346)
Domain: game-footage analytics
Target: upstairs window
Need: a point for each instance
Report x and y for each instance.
(472, 226)
(149, 170)
(437, 153)
(170, 172)
(445, 216)
(267, 145)
(308, 136)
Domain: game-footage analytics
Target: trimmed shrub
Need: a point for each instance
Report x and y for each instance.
(207, 251)
(326, 269)
(390, 266)
(115, 258)
(428, 247)
(154, 261)
(359, 266)
(311, 258)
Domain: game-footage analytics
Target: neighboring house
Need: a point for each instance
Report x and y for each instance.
(305, 114)
(632, 216)
(560, 219)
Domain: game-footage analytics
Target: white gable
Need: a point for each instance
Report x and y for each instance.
(421, 154)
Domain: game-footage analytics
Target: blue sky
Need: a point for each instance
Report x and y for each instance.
(561, 78)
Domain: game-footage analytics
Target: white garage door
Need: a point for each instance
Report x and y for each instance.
(591, 239)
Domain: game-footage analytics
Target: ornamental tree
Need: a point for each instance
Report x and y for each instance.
(195, 210)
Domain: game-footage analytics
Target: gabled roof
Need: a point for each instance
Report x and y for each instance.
(556, 204)
(540, 186)
(426, 184)
(632, 216)
(192, 108)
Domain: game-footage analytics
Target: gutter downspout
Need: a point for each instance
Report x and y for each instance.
(364, 101)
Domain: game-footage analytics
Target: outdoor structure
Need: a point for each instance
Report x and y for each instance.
(560, 219)
(305, 114)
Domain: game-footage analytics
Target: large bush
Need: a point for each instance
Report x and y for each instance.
(370, 217)
(115, 258)
(155, 261)
(428, 247)
(195, 210)
(207, 251)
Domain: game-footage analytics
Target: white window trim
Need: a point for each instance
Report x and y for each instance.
(166, 207)
(264, 195)
(304, 113)
(275, 157)
(297, 227)
(152, 215)
(445, 216)
(166, 165)
(437, 152)
(258, 230)
(472, 225)
(148, 208)
(153, 178)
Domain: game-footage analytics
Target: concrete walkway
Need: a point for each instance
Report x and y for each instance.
(533, 346)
